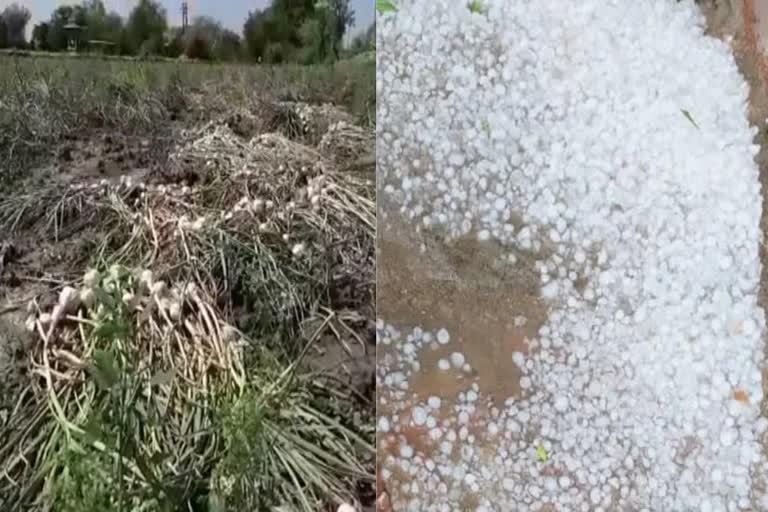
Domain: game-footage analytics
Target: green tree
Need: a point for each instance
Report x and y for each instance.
(343, 18)
(3, 33)
(220, 43)
(255, 34)
(230, 46)
(15, 18)
(40, 36)
(174, 44)
(102, 26)
(57, 37)
(317, 35)
(276, 33)
(202, 38)
(146, 27)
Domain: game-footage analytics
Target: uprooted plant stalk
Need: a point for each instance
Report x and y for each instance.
(174, 376)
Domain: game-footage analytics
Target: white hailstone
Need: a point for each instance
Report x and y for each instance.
(434, 402)
(443, 337)
(383, 425)
(727, 436)
(561, 403)
(87, 297)
(92, 278)
(406, 451)
(29, 324)
(346, 507)
(269, 204)
(264, 227)
(298, 249)
(419, 416)
(564, 482)
(286, 237)
(457, 359)
(444, 364)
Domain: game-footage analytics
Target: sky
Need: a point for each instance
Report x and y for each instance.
(232, 16)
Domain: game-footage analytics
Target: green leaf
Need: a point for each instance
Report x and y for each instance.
(542, 454)
(689, 117)
(104, 369)
(477, 7)
(383, 6)
(486, 126)
(111, 330)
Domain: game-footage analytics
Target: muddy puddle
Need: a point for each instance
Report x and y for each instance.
(490, 312)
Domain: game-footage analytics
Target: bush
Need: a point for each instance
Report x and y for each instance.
(275, 53)
(198, 48)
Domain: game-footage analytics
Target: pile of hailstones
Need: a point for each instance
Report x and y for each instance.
(148, 296)
(582, 128)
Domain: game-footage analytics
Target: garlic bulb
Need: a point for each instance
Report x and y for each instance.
(159, 289)
(92, 278)
(257, 206)
(87, 297)
(146, 281)
(69, 299)
(130, 300)
(174, 310)
(45, 319)
(229, 334)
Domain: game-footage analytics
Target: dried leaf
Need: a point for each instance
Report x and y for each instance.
(689, 117)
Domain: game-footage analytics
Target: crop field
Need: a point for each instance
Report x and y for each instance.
(187, 285)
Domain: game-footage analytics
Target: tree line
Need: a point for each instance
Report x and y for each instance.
(303, 31)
